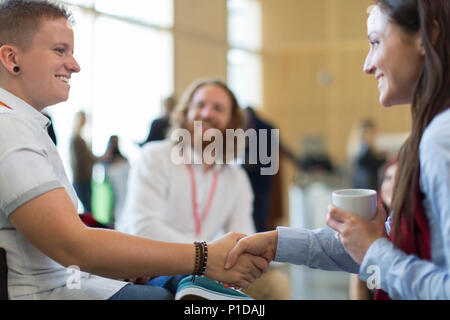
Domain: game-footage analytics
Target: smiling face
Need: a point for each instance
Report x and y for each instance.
(47, 65)
(212, 105)
(395, 58)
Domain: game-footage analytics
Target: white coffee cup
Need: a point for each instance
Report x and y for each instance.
(361, 202)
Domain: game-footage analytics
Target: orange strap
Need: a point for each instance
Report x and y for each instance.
(4, 105)
(198, 220)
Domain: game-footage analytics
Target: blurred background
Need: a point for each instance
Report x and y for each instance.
(298, 63)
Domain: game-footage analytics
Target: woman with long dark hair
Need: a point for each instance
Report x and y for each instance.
(408, 256)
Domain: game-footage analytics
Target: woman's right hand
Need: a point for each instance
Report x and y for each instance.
(262, 244)
(246, 269)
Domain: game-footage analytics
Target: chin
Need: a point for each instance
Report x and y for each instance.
(389, 101)
(63, 97)
(387, 105)
(384, 102)
(57, 100)
(394, 98)
(394, 102)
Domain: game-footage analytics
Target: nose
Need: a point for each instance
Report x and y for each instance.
(369, 67)
(207, 111)
(73, 65)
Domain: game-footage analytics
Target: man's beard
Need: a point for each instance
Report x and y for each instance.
(198, 140)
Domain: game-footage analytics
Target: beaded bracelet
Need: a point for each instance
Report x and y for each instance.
(197, 257)
(201, 258)
(204, 258)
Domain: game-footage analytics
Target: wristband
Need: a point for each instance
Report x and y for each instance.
(201, 258)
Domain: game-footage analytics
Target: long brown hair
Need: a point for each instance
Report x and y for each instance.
(431, 95)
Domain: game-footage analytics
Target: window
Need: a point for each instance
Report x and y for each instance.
(156, 12)
(132, 76)
(84, 3)
(244, 56)
(126, 58)
(245, 77)
(244, 24)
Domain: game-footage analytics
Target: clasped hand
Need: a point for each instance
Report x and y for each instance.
(249, 257)
(246, 268)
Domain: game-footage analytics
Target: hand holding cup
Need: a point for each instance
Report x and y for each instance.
(357, 220)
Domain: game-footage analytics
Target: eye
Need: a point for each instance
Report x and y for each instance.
(374, 43)
(200, 105)
(60, 50)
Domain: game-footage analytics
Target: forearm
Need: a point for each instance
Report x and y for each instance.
(52, 225)
(314, 248)
(117, 255)
(404, 276)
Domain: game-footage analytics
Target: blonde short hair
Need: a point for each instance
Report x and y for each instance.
(20, 20)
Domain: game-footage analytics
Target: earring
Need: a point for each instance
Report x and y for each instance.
(16, 69)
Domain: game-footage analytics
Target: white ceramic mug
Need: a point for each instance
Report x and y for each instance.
(362, 202)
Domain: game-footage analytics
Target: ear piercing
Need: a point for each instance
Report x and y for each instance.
(16, 69)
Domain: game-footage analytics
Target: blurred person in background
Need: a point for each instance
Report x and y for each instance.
(160, 126)
(184, 202)
(82, 161)
(116, 172)
(365, 160)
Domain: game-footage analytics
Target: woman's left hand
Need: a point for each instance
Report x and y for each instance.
(357, 234)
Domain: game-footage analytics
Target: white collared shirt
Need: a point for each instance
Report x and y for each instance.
(30, 166)
(159, 202)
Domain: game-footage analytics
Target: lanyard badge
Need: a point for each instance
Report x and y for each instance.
(198, 220)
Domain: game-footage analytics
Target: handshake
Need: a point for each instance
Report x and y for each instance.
(237, 260)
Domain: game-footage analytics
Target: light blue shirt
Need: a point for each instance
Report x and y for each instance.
(402, 276)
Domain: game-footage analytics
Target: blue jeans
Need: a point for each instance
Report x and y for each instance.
(169, 283)
(133, 291)
(159, 288)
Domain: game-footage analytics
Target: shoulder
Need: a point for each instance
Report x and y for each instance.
(157, 148)
(15, 130)
(10, 119)
(237, 174)
(76, 138)
(163, 121)
(436, 137)
(263, 124)
(155, 153)
(77, 142)
(434, 150)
